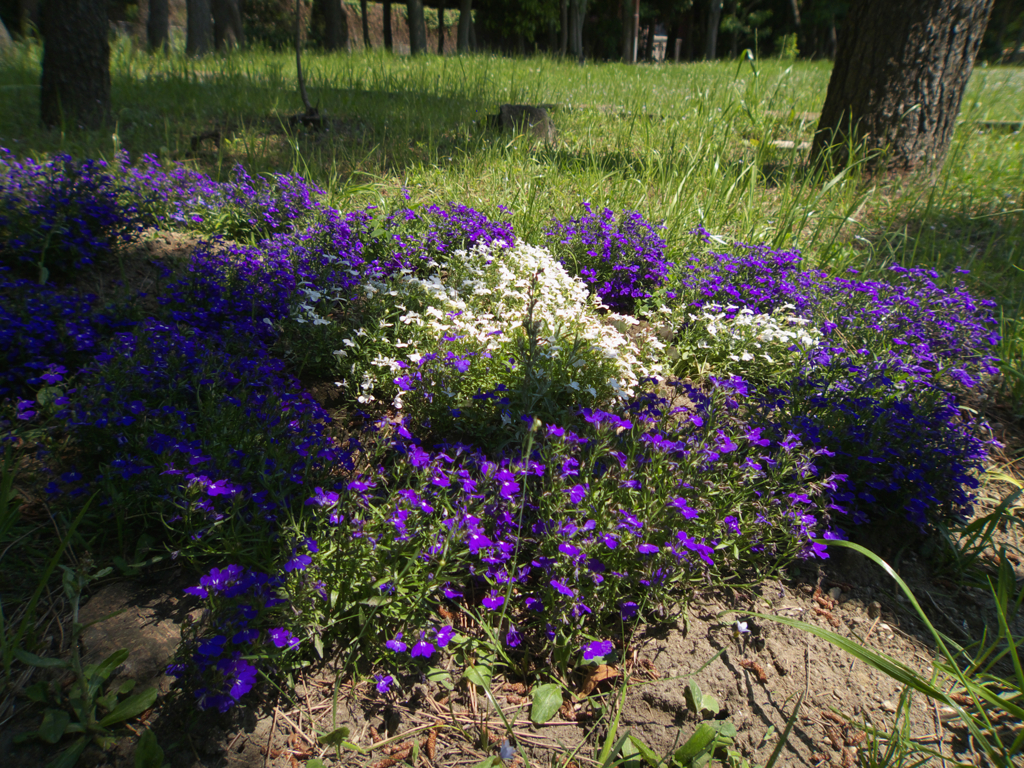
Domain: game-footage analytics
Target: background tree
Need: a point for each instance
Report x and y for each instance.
(388, 39)
(198, 27)
(76, 64)
(417, 27)
(465, 22)
(900, 73)
(366, 23)
(227, 24)
(158, 26)
(335, 25)
(440, 27)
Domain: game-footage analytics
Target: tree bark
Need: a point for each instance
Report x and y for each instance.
(199, 27)
(75, 88)
(335, 26)
(227, 24)
(714, 20)
(366, 24)
(417, 27)
(900, 73)
(158, 25)
(440, 28)
(465, 20)
(563, 43)
(388, 42)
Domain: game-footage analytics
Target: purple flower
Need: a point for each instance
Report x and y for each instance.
(647, 549)
(507, 485)
(322, 498)
(628, 610)
(512, 638)
(577, 493)
(597, 649)
(396, 644)
(282, 638)
(444, 636)
(423, 648)
(384, 683)
(562, 588)
(493, 601)
(684, 508)
(239, 676)
(298, 563)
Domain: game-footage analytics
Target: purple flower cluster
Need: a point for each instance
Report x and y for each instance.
(243, 208)
(214, 659)
(60, 215)
(621, 258)
(408, 238)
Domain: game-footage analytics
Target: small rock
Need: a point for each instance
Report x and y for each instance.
(874, 609)
(887, 706)
(835, 593)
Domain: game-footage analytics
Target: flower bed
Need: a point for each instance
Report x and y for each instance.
(516, 471)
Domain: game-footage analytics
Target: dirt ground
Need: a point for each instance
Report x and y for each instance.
(757, 678)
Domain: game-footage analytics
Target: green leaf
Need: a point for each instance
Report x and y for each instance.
(440, 676)
(130, 707)
(69, 756)
(39, 661)
(316, 762)
(148, 753)
(649, 755)
(547, 700)
(38, 692)
(55, 723)
(334, 738)
(479, 675)
(710, 704)
(701, 742)
(694, 697)
(489, 762)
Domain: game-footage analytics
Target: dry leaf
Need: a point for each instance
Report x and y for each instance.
(595, 676)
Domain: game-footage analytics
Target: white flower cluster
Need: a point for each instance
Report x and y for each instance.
(729, 341)
(481, 301)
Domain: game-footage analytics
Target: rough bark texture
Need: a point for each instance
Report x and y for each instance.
(199, 29)
(900, 73)
(714, 21)
(157, 25)
(76, 64)
(440, 28)
(335, 26)
(417, 27)
(227, 24)
(366, 23)
(465, 20)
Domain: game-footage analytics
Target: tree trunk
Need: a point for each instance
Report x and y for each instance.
(199, 29)
(417, 27)
(157, 26)
(649, 45)
(465, 20)
(627, 33)
(227, 24)
(900, 73)
(563, 43)
(366, 24)
(388, 43)
(714, 20)
(335, 26)
(75, 88)
(440, 28)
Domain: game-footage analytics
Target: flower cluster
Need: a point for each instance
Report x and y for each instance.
(60, 215)
(620, 257)
(216, 653)
(530, 470)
